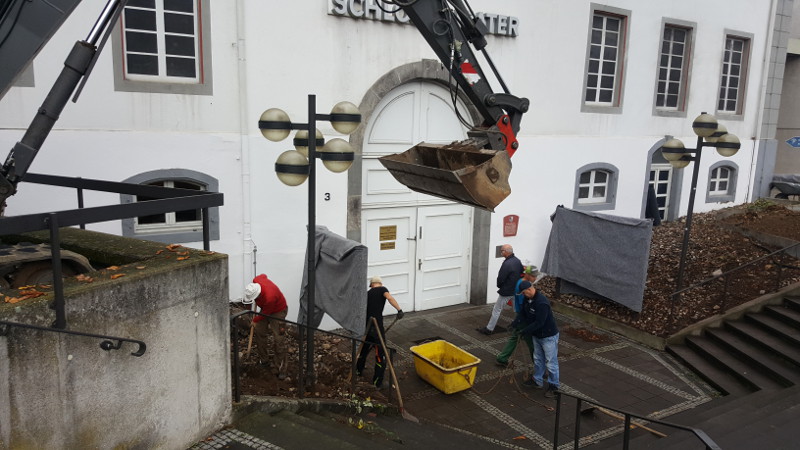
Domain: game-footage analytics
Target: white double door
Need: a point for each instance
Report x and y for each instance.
(421, 253)
(420, 245)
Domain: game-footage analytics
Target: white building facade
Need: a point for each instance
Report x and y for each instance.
(176, 96)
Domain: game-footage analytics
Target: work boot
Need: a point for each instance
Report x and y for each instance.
(531, 383)
(485, 331)
(550, 392)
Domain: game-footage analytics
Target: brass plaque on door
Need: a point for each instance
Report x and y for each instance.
(388, 233)
(387, 245)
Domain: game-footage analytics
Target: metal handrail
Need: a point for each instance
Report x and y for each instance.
(723, 293)
(303, 329)
(106, 344)
(715, 277)
(700, 434)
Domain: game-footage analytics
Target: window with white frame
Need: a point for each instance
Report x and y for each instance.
(673, 68)
(176, 221)
(721, 182)
(596, 187)
(734, 74)
(605, 58)
(162, 44)
(174, 226)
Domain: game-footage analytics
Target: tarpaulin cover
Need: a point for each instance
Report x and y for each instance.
(341, 275)
(602, 253)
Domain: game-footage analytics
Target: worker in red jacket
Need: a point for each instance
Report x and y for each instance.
(272, 303)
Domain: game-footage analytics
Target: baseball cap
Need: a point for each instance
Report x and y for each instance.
(531, 270)
(375, 279)
(524, 285)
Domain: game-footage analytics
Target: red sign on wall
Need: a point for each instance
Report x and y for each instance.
(510, 224)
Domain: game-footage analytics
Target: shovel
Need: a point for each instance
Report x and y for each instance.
(617, 416)
(403, 412)
(360, 346)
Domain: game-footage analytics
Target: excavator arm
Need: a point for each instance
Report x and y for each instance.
(475, 171)
(28, 25)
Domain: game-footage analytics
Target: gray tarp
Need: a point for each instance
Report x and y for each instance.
(341, 275)
(602, 253)
(788, 184)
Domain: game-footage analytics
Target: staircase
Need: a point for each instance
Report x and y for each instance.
(300, 424)
(760, 351)
(755, 362)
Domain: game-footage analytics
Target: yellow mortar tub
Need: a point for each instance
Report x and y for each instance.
(445, 366)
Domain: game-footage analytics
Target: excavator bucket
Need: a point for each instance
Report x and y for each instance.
(464, 174)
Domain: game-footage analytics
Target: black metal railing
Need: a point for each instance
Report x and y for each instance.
(164, 200)
(721, 297)
(106, 344)
(626, 416)
(303, 384)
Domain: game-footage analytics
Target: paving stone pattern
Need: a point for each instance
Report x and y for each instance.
(502, 412)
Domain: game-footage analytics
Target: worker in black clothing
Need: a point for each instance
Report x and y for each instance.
(377, 296)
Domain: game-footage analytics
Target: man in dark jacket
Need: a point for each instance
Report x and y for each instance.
(507, 277)
(538, 321)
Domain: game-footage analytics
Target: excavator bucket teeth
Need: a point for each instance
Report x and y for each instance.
(475, 177)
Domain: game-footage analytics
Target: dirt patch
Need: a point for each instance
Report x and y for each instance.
(585, 334)
(332, 363)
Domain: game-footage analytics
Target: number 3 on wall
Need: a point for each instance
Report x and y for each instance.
(327, 196)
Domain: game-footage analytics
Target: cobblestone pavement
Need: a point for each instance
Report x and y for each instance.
(502, 412)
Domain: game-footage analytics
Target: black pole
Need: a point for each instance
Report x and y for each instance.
(58, 283)
(312, 250)
(688, 227)
(236, 363)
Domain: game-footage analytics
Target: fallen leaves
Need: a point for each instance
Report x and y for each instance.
(117, 275)
(84, 279)
(26, 292)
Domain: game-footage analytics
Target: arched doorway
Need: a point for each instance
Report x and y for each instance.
(420, 245)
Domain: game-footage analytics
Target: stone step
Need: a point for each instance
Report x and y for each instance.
(717, 377)
(753, 355)
(775, 327)
(308, 429)
(776, 423)
(766, 340)
(720, 418)
(719, 406)
(792, 301)
(718, 355)
(784, 314)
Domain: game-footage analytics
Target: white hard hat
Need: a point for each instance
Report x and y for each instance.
(251, 291)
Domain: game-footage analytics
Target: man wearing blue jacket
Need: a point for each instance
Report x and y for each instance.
(507, 277)
(537, 320)
(530, 273)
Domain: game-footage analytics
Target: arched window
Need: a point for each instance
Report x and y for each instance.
(721, 182)
(595, 187)
(174, 226)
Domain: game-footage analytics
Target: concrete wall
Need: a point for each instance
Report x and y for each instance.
(60, 391)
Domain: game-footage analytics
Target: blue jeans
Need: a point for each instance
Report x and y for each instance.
(545, 354)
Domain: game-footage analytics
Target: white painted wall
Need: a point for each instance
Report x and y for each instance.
(269, 53)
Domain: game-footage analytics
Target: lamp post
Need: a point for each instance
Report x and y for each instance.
(294, 166)
(709, 134)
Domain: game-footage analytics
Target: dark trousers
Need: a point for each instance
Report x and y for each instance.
(371, 340)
